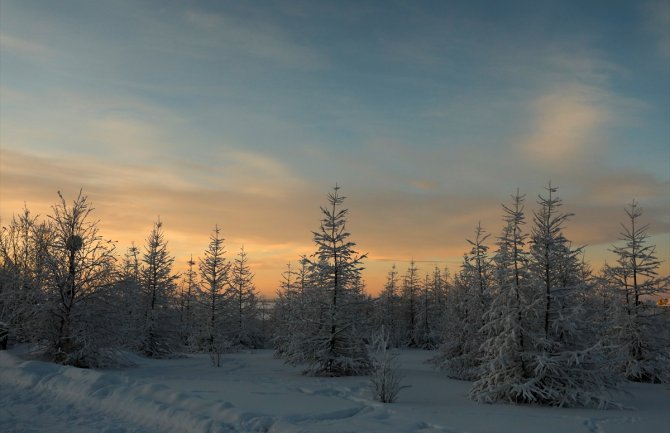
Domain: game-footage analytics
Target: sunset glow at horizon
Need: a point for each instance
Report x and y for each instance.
(429, 115)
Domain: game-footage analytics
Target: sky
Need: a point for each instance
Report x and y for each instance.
(428, 114)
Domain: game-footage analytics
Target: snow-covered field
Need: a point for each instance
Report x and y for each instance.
(253, 392)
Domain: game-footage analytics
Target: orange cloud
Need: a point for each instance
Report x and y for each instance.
(566, 125)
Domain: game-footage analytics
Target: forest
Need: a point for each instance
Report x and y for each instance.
(524, 318)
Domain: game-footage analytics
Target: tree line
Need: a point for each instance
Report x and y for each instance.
(524, 318)
(63, 286)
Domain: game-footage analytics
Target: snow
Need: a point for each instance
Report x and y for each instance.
(253, 392)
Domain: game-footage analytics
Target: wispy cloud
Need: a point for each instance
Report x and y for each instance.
(566, 125)
(21, 46)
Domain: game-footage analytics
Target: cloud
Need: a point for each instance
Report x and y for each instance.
(22, 46)
(566, 125)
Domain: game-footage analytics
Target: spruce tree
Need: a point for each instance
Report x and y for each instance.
(158, 283)
(410, 304)
(460, 355)
(214, 274)
(241, 324)
(333, 345)
(641, 327)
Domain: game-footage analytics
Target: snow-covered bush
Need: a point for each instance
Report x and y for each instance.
(385, 376)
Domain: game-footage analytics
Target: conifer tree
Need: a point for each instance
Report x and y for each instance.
(569, 367)
(388, 309)
(460, 355)
(332, 344)
(188, 306)
(641, 327)
(508, 321)
(158, 283)
(214, 274)
(410, 302)
(540, 346)
(241, 324)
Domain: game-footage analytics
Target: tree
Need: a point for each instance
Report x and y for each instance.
(460, 355)
(158, 284)
(128, 311)
(23, 251)
(640, 329)
(80, 264)
(242, 324)
(332, 344)
(539, 345)
(565, 360)
(433, 309)
(188, 304)
(388, 305)
(214, 273)
(509, 319)
(410, 303)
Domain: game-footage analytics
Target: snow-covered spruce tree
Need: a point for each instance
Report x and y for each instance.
(410, 303)
(80, 264)
(641, 327)
(298, 312)
(387, 309)
(439, 292)
(188, 306)
(158, 284)
(429, 314)
(214, 274)
(334, 346)
(423, 315)
(509, 320)
(242, 322)
(568, 367)
(282, 311)
(385, 376)
(23, 249)
(129, 314)
(460, 355)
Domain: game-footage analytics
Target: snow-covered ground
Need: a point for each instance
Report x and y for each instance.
(253, 392)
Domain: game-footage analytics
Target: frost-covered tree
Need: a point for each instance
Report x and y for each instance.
(332, 343)
(539, 345)
(568, 366)
(214, 274)
(129, 314)
(242, 323)
(188, 304)
(460, 355)
(23, 252)
(80, 264)
(509, 320)
(433, 311)
(158, 284)
(388, 308)
(286, 303)
(641, 327)
(410, 304)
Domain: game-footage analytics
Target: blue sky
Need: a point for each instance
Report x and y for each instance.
(429, 114)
